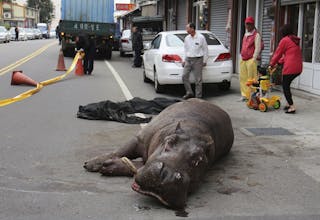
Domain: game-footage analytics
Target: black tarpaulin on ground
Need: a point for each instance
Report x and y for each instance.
(122, 111)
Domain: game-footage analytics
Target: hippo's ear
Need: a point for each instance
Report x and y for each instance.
(178, 129)
(208, 144)
(170, 141)
(207, 140)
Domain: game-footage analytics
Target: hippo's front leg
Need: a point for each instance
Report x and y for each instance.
(116, 167)
(130, 150)
(95, 164)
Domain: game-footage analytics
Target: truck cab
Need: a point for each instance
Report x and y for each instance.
(43, 27)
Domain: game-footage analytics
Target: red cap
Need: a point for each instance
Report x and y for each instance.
(249, 20)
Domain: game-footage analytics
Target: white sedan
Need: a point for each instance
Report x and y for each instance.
(125, 45)
(162, 61)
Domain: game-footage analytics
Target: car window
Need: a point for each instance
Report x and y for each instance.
(2, 29)
(126, 33)
(181, 36)
(210, 38)
(155, 44)
(174, 41)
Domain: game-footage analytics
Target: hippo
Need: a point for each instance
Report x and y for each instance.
(176, 148)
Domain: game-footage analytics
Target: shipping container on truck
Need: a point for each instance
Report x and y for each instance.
(93, 18)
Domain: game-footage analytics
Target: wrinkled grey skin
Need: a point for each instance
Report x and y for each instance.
(176, 148)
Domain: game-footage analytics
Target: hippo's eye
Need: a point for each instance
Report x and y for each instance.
(159, 165)
(163, 174)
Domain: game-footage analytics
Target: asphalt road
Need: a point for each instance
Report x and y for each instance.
(43, 146)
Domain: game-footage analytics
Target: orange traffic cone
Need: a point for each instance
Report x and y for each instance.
(61, 66)
(79, 67)
(19, 78)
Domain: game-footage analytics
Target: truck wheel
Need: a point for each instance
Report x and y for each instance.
(68, 53)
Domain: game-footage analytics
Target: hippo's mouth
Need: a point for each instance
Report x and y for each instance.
(135, 186)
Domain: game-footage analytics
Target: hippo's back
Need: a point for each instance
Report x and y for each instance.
(197, 117)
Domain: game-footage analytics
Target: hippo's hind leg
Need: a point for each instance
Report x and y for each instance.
(129, 150)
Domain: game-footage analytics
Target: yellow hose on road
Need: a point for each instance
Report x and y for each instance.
(40, 85)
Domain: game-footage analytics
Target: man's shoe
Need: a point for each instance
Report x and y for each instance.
(188, 96)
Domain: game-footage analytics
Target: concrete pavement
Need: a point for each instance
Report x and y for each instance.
(43, 149)
(271, 176)
(304, 126)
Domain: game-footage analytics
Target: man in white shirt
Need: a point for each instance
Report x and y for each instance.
(196, 55)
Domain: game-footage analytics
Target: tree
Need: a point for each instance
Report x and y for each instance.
(45, 8)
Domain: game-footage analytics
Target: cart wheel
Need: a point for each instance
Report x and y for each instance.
(263, 107)
(277, 104)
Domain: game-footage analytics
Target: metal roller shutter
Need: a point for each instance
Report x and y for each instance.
(181, 14)
(219, 18)
(266, 33)
(292, 2)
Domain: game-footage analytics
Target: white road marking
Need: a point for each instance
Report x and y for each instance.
(124, 88)
(25, 59)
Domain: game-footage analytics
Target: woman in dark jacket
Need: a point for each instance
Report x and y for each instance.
(289, 52)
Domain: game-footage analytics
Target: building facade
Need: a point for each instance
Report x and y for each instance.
(56, 15)
(269, 16)
(305, 16)
(14, 14)
(226, 20)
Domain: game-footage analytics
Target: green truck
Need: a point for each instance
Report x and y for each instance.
(93, 18)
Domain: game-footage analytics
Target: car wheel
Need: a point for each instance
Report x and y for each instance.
(157, 87)
(122, 54)
(224, 86)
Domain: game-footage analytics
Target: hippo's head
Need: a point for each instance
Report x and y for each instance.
(163, 182)
(171, 169)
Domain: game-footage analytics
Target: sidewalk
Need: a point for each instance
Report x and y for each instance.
(306, 119)
(301, 147)
(274, 173)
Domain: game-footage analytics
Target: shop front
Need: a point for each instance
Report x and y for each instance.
(220, 20)
(200, 14)
(255, 9)
(304, 15)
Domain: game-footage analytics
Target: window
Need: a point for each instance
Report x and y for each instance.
(307, 33)
(173, 40)
(156, 42)
(210, 38)
(200, 14)
(126, 33)
(293, 15)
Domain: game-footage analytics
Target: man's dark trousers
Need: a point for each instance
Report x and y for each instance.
(137, 58)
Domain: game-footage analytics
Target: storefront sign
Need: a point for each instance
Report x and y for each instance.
(125, 7)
